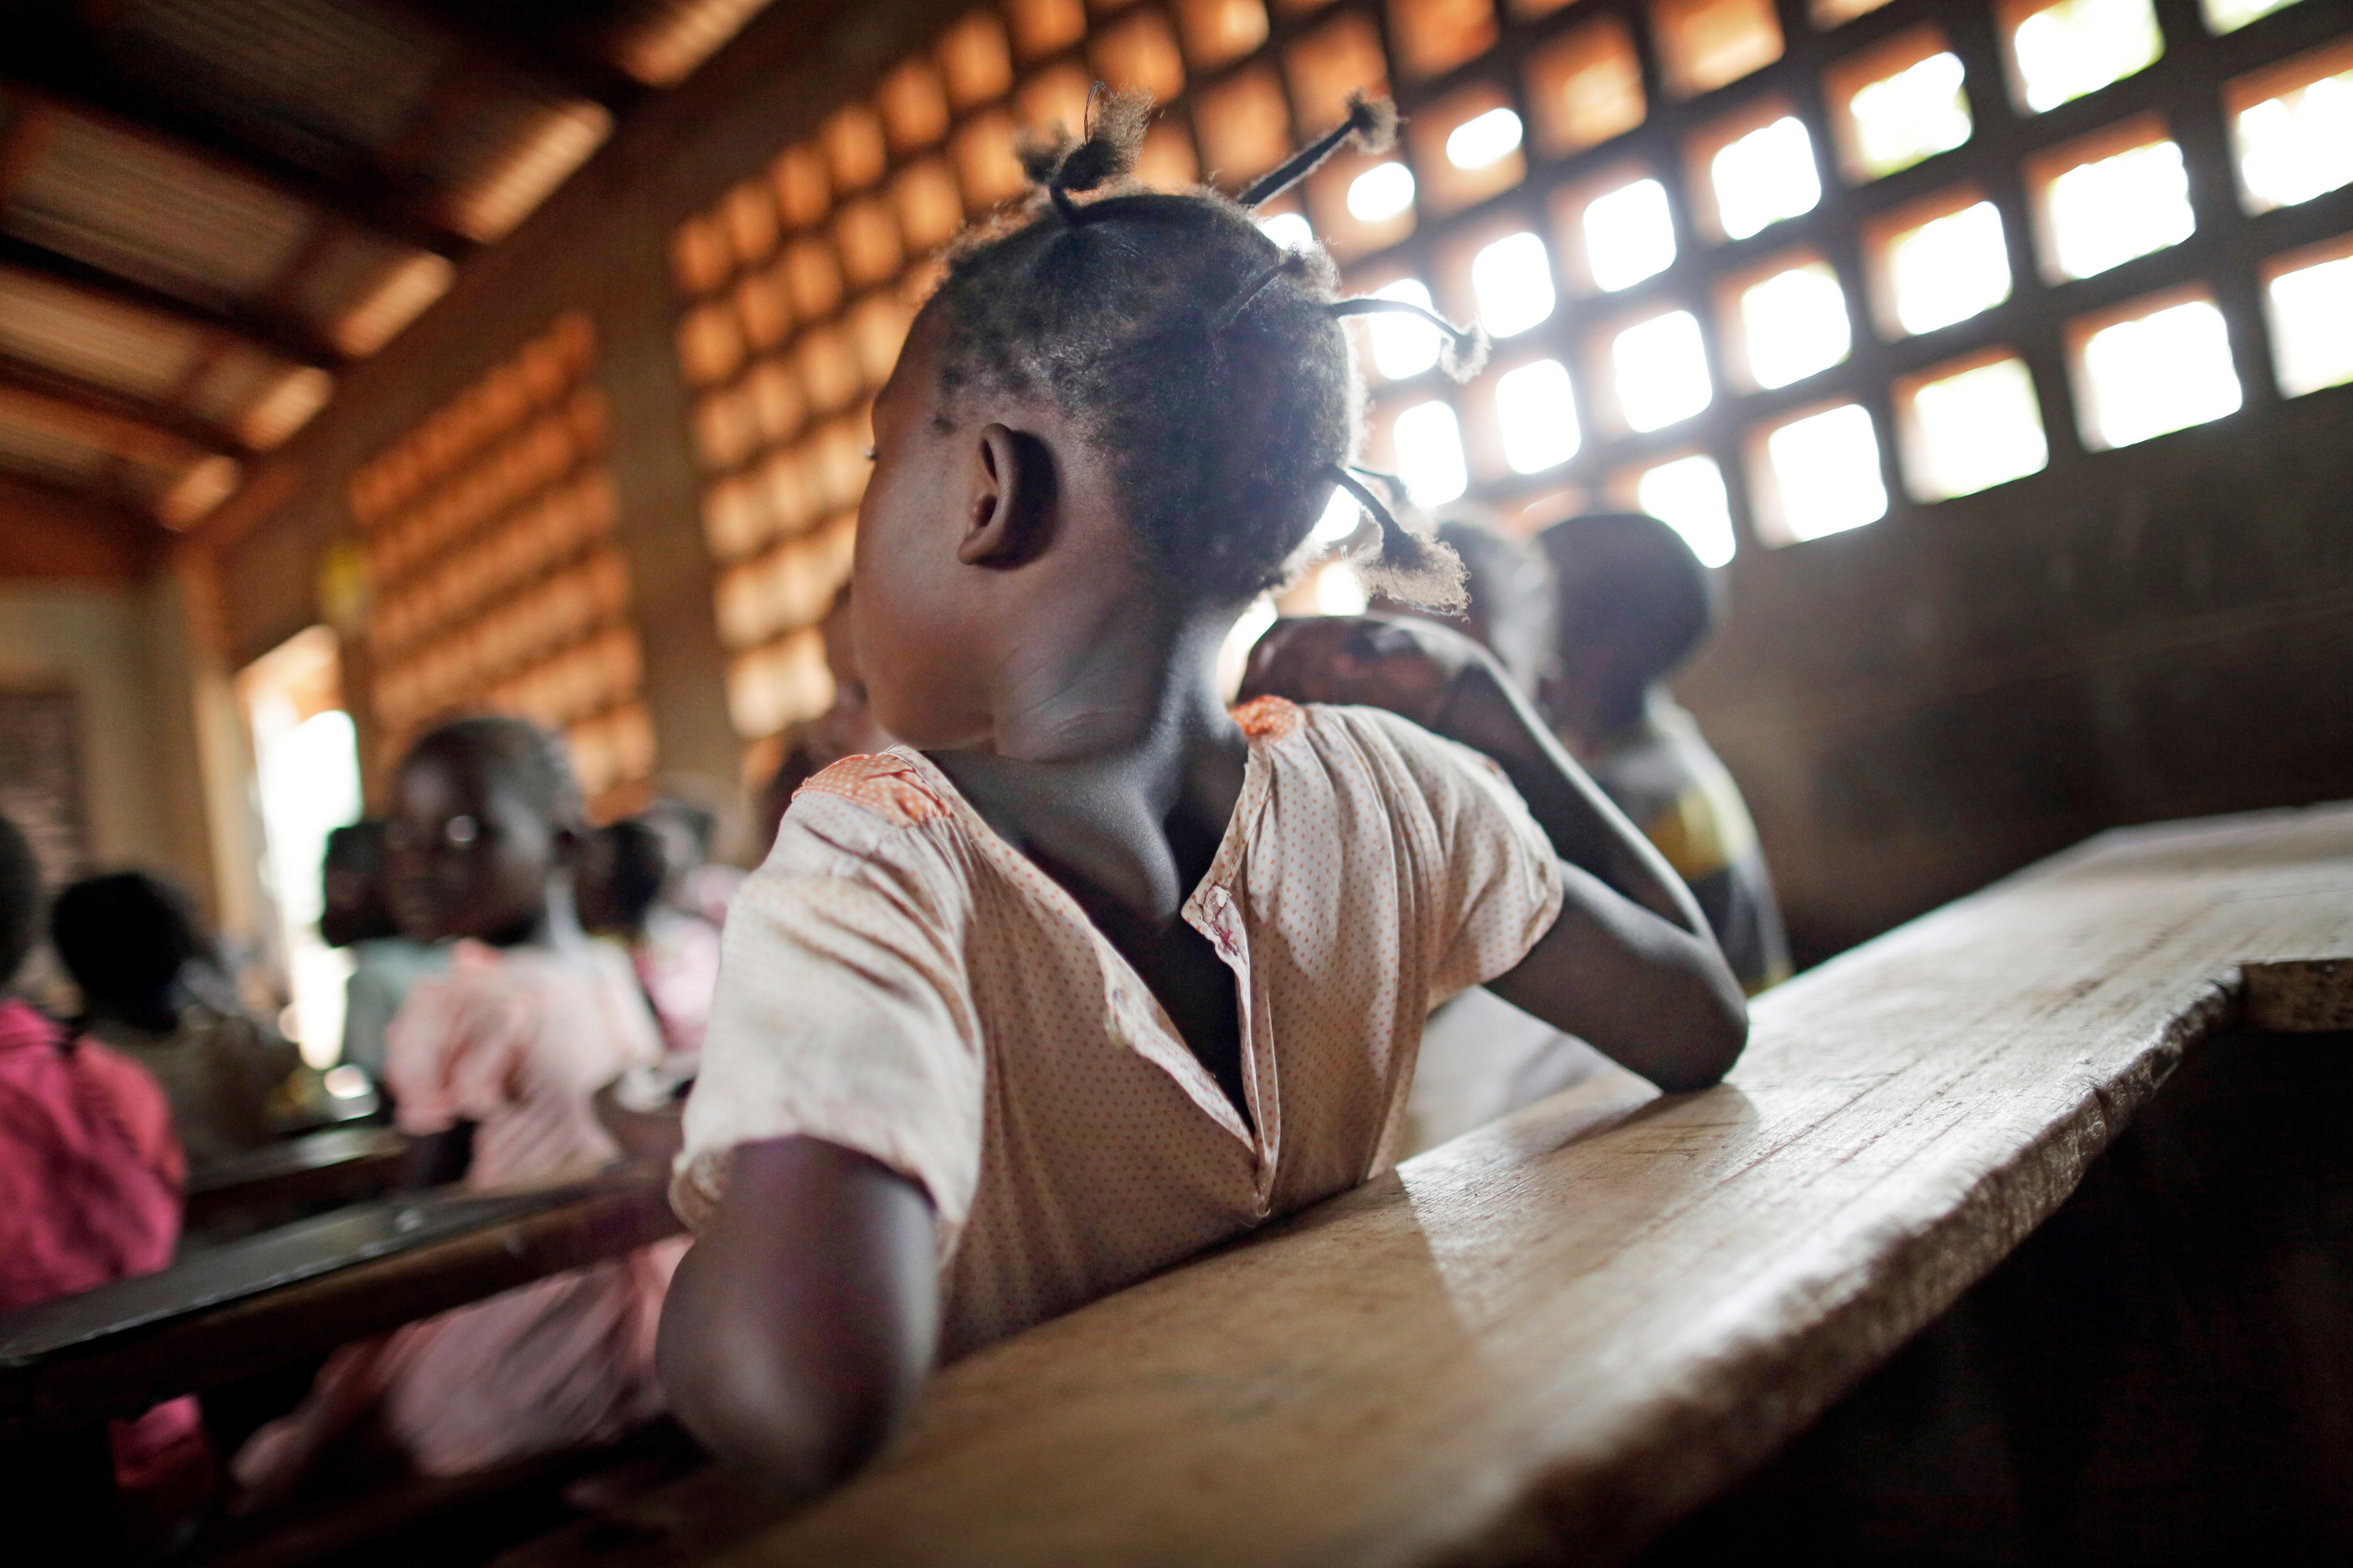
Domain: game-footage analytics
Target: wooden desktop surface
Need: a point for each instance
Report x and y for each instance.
(1550, 1339)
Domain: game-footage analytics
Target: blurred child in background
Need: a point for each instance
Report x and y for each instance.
(154, 988)
(493, 1066)
(386, 964)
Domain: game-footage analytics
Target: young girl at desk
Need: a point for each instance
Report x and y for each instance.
(1091, 975)
(494, 1065)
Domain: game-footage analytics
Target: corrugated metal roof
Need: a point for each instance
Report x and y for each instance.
(45, 454)
(66, 331)
(289, 70)
(361, 290)
(119, 201)
(500, 162)
(662, 41)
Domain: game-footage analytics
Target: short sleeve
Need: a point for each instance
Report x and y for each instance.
(842, 1012)
(458, 1049)
(1493, 888)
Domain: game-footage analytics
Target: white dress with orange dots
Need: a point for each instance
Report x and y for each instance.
(900, 981)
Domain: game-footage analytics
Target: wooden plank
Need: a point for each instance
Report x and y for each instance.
(1550, 1339)
(305, 1288)
(343, 1163)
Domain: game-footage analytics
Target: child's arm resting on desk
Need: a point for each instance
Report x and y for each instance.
(1628, 964)
(802, 1324)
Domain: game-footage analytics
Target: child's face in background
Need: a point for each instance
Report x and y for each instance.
(910, 624)
(468, 857)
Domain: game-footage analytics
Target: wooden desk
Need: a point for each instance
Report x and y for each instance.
(318, 1168)
(294, 1291)
(1550, 1339)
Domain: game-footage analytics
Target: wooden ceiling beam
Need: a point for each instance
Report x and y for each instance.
(550, 57)
(58, 65)
(38, 380)
(132, 440)
(284, 337)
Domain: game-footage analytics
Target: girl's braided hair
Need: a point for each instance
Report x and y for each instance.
(1207, 360)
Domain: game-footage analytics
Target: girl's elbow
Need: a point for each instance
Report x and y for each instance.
(1714, 1033)
(743, 1401)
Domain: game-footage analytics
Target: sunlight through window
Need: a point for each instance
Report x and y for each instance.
(2077, 47)
(1428, 440)
(1764, 177)
(2105, 212)
(1794, 323)
(2297, 146)
(1339, 591)
(1512, 280)
(1477, 142)
(1537, 411)
(1825, 473)
(2311, 310)
(1916, 113)
(1948, 269)
(1380, 193)
(1403, 345)
(1662, 371)
(2165, 371)
(1289, 230)
(2230, 15)
(1688, 496)
(1972, 430)
(1629, 235)
(1341, 515)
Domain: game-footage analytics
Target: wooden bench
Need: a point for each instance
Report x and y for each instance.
(339, 1166)
(1551, 1339)
(276, 1298)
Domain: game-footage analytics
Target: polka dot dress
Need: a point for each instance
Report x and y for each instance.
(899, 980)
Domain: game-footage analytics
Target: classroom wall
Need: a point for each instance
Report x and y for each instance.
(1915, 708)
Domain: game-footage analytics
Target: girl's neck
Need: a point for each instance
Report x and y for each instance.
(554, 927)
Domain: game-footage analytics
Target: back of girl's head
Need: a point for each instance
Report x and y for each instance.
(1207, 362)
(1630, 585)
(20, 901)
(125, 937)
(510, 754)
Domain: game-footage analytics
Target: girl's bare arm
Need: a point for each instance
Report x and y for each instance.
(802, 1322)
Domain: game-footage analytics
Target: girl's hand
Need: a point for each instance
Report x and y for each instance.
(1412, 667)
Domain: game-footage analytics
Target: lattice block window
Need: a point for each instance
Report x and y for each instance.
(2062, 49)
(1432, 36)
(2154, 367)
(1934, 262)
(2292, 128)
(1753, 170)
(1617, 229)
(1426, 442)
(1535, 416)
(1825, 15)
(1138, 54)
(1341, 57)
(1707, 44)
(1585, 87)
(1219, 32)
(2230, 15)
(1791, 322)
(1968, 425)
(1655, 371)
(975, 61)
(2308, 297)
(2108, 197)
(1466, 147)
(497, 586)
(1896, 104)
(1816, 474)
(1687, 494)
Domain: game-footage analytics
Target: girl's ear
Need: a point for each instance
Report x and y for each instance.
(1010, 519)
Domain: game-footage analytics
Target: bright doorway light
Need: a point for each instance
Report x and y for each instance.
(1629, 235)
(1661, 370)
(1764, 177)
(1949, 269)
(1826, 473)
(1380, 193)
(2077, 47)
(1428, 440)
(1688, 496)
(2165, 371)
(307, 778)
(1913, 115)
(1511, 280)
(1794, 323)
(2311, 311)
(1480, 140)
(1537, 410)
(1975, 429)
(2105, 212)
(1403, 345)
(2297, 146)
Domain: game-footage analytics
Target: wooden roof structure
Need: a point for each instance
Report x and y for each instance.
(209, 209)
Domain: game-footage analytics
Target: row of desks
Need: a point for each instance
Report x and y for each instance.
(1548, 1339)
